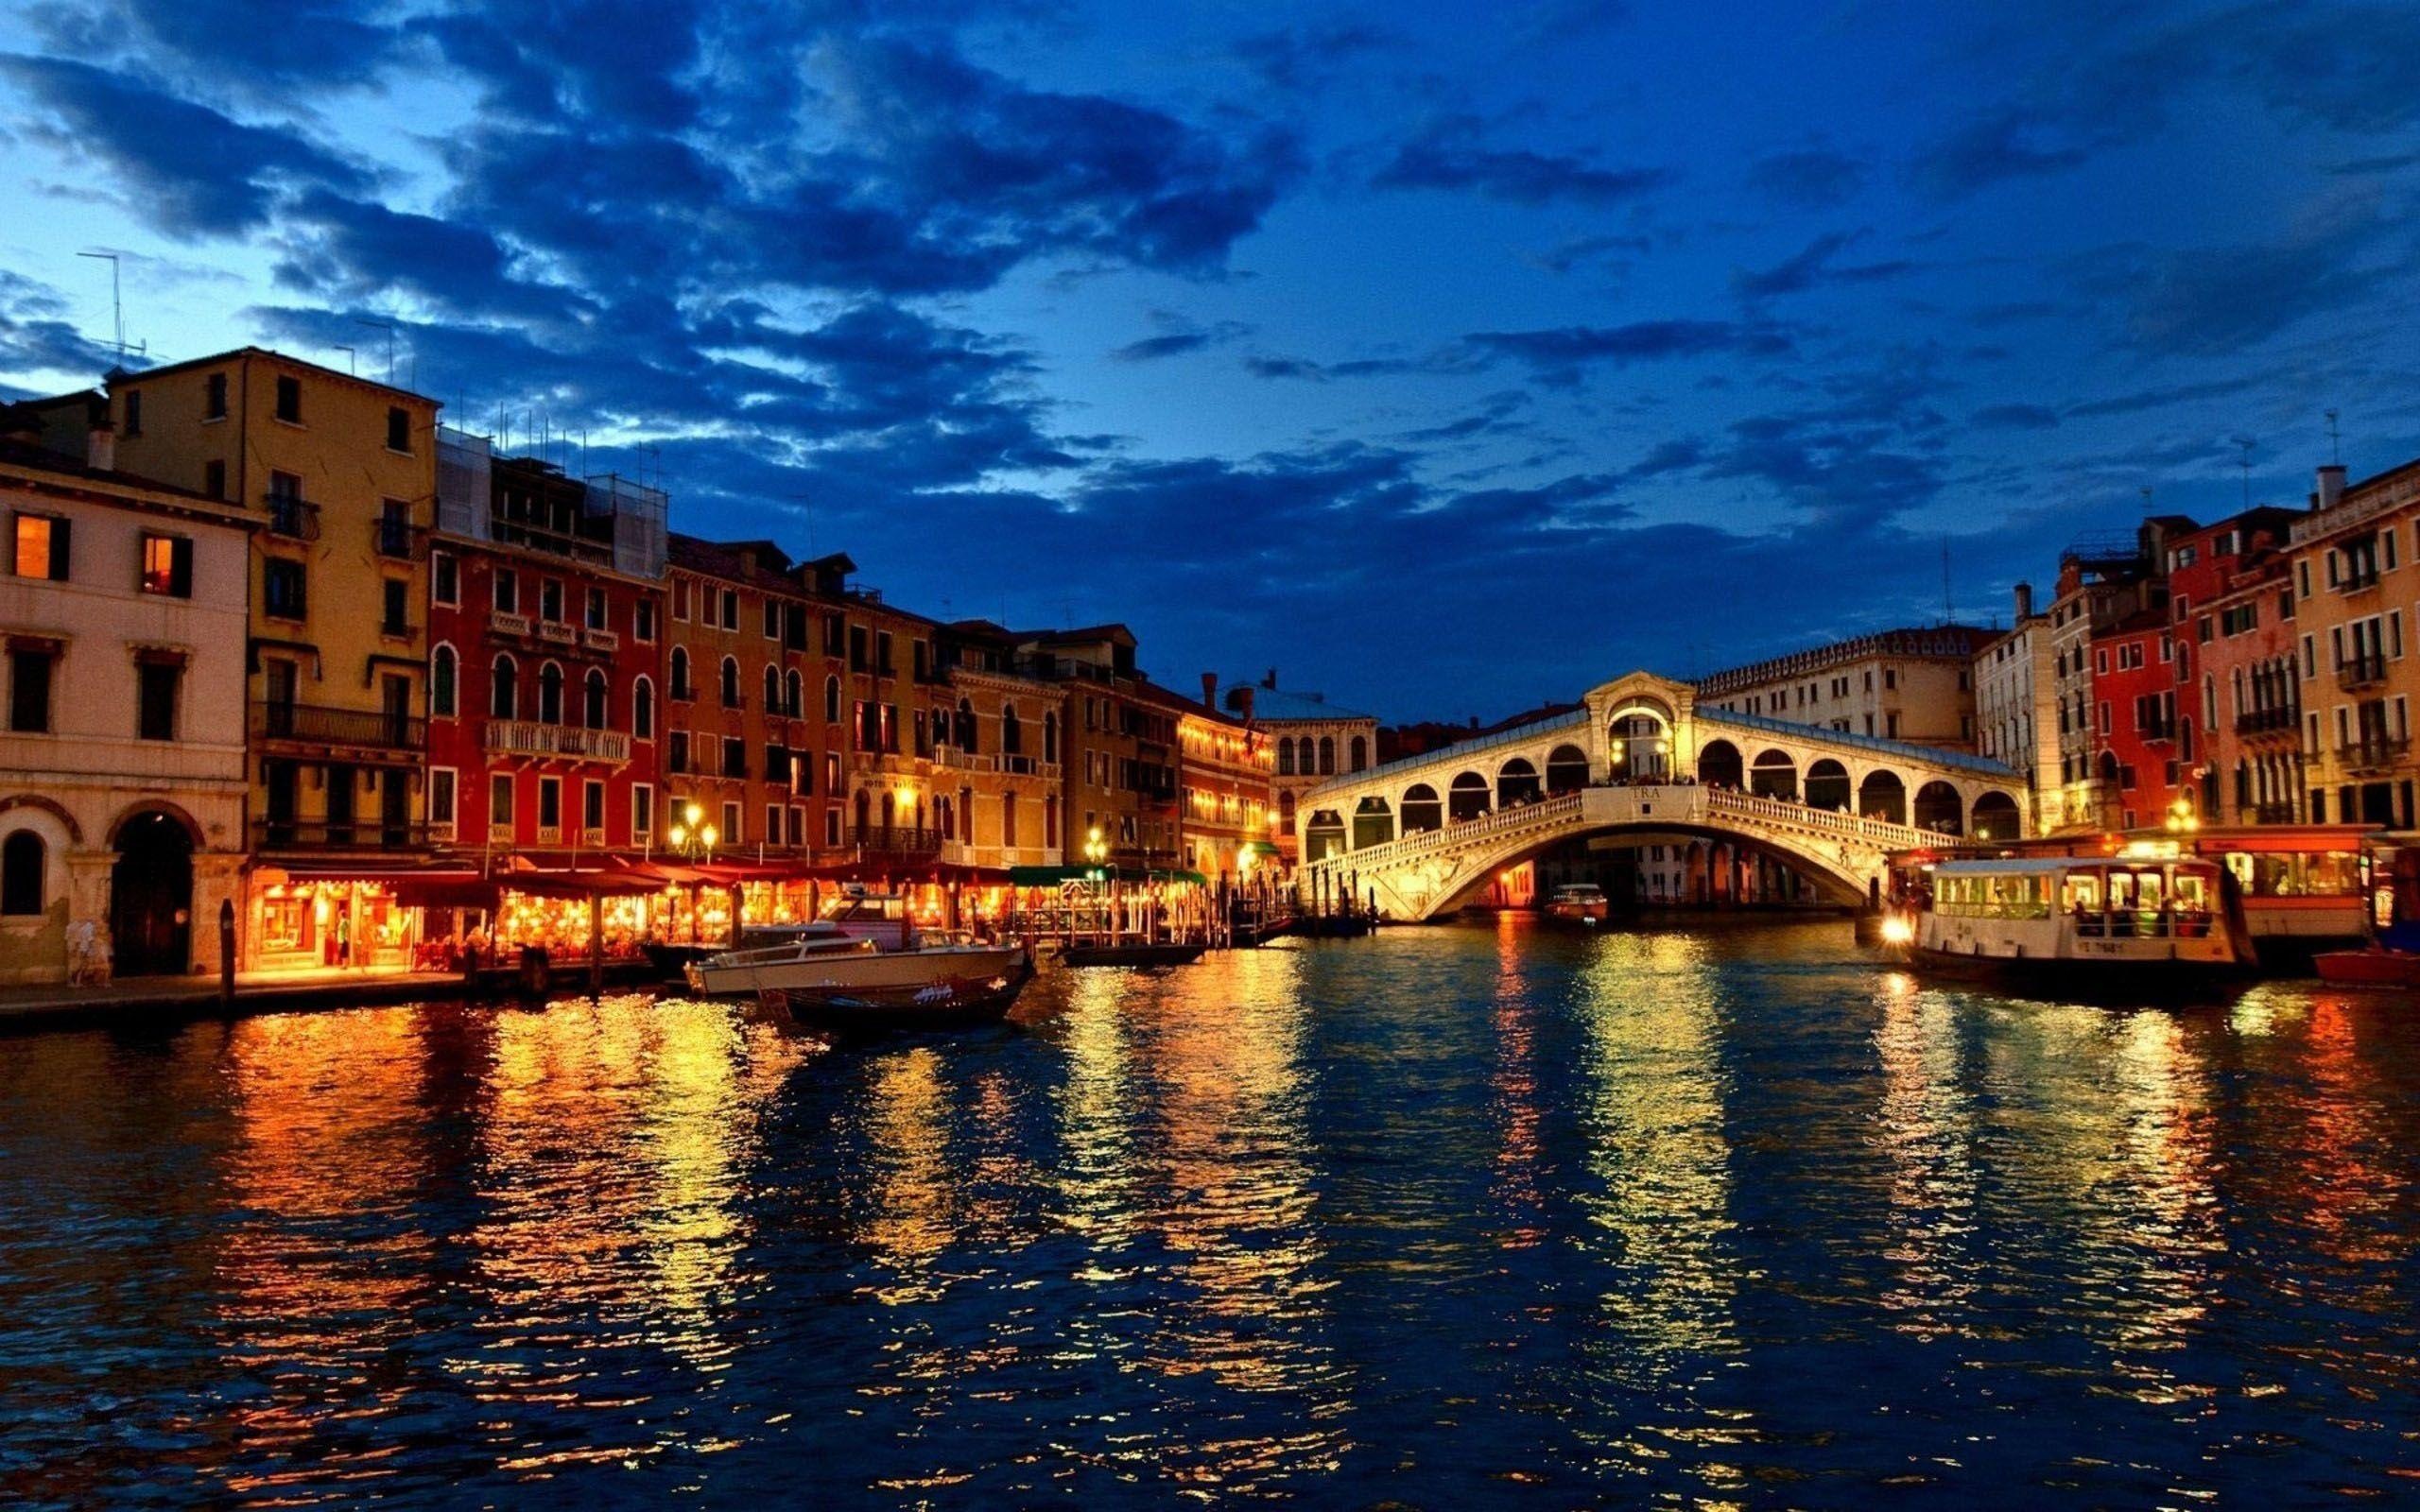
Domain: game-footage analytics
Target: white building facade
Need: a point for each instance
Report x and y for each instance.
(2017, 703)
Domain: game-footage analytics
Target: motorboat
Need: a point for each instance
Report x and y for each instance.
(2393, 959)
(966, 995)
(866, 943)
(1132, 953)
(2087, 926)
(1579, 902)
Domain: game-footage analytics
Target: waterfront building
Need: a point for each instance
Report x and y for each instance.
(1913, 685)
(998, 740)
(341, 474)
(2104, 580)
(1121, 767)
(2238, 728)
(1225, 770)
(2017, 701)
(1310, 741)
(122, 755)
(545, 660)
(2351, 562)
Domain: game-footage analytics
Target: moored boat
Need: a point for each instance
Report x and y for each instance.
(867, 943)
(1579, 903)
(2098, 927)
(959, 999)
(1132, 953)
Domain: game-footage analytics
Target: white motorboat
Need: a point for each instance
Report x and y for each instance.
(867, 943)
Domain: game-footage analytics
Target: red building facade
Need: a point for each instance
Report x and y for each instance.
(546, 641)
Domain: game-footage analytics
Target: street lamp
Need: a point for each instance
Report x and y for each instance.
(1096, 849)
(691, 839)
(2181, 817)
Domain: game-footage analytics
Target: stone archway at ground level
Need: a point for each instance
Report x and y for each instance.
(152, 895)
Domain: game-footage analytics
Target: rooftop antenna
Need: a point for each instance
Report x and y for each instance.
(2335, 449)
(388, 326)
(118, 301)
(350, 364)
(2245, 442)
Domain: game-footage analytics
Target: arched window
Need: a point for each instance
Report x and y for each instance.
(1286, 807)
(643, 709)
(831, 700)
(551, 694)
(1327, 755)
(729, 688)
(444, 679)
(504, 697)
(21, 870)
(1360, 753)
(1050, 742)
(965, 740)
(592, 703)
(793, 693)
(1011, 732)
(772, 689)
(680, 688)
(1286, 756)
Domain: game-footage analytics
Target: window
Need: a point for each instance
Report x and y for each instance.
(772, 689)
(550, 600)
(596, 620)
(729, 609)
(773, 823)
(214, 396)
(729, 688)
(680, 600)
(445, 676)
(508, 591)
(394, 621)
(642, 811)
(643, 709)
(550, 694)
(676, 755)
(593, 699)
(591, 805)
(643, 620)
(155, 696)
(500, 802)
(730, 822)
(550, 803)
(289, 401)
(773, 619)
(831, 700)
(283, 589)
(680, 688)
(399, 429)
(445, 578)
(213, 478)
(441, 795)
(503, 696)
(42, 546)
(134, 412)
(734, 756)
(21, 868)
(167, 565)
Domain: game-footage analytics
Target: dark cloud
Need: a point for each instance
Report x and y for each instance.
(2161, 398)
(1613, 253)
(182, 166)
(1451, 154)
(1310, 56)
(2017, 417)
(2214, 301)
(1179, 338)
(1816, 179)
(36, 335)
(1557, 355)
(1813, 264)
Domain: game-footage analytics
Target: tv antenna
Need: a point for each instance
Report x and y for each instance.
(118, 301)
(388, 326)
(2335, 448)
(352, 366)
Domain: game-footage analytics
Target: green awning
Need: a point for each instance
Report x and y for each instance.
(1050, 876)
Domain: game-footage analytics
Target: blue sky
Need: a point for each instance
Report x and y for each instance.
(1448, 358)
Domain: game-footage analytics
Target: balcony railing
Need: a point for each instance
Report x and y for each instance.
(2373, 754)
(532, 738)
(2267, 721)
(2361, 672)
(965, 761)
(600, 640)
(398, 540)
(896, 840)
(314, 724)
(2357, 580)
(371, 834)
(504, 622)
(558, 632)
(293, 517)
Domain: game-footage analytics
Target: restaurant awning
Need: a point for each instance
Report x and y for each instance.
(595, 882)
(446, 889)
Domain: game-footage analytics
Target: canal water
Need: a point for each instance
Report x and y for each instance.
(1463, 1216)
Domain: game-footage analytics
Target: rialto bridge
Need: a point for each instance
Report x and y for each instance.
(1640, 761)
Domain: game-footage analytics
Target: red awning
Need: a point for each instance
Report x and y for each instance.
(596, 881)
(446, 889)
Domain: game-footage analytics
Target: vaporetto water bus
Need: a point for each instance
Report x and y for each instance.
(2103, 924)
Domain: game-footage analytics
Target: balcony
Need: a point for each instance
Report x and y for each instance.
(2361, 672)
(503, 621)
(2358, 580)
(530, 737)
(896, 841)
(963, 761)
(2374, 754)
(592, 836)
(556, 632)
(606, 641)
(2267, 721)
(398, 540)
(549, 835)
(313, 724)
(370, 834)
(292, 517)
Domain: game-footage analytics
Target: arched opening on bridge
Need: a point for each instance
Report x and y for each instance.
(1828, 785)
(1374, 823)
(1996, 818)
(1466, 796)
(1421, 810)
(1566, 770)
(1719, 764)
(1882, 796)
(1938, 808)
(1639, 744)
(1324, 835)
(1773, 775)
(1517, 782)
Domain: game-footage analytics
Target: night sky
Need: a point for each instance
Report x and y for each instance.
(1448, 358)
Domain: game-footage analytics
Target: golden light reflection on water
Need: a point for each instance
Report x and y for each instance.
(1926, 1132)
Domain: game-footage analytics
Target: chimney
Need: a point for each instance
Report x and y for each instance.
(1268, 679)
(2331, 486)
(100, 446)
(1210, 689)
(2024, 602)
(1244, 695)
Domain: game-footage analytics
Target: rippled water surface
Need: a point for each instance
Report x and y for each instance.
(1454, 1216)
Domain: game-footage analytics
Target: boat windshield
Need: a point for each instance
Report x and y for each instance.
(2145, 902)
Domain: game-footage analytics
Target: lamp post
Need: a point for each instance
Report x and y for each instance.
(693, 840)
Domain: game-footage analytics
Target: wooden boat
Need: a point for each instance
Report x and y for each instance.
(1579, 903)
(954, 1002)
(1131, 953)
(2093, 926)
(2371, 967)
